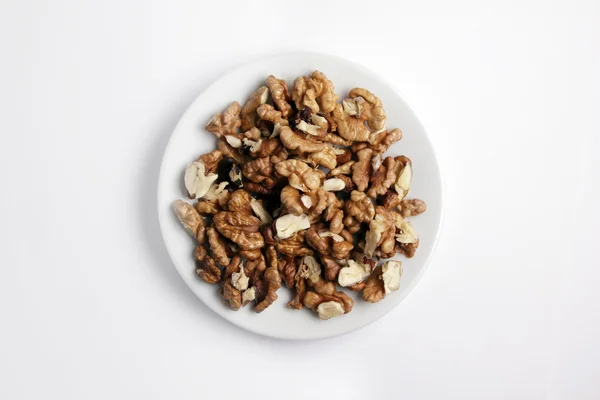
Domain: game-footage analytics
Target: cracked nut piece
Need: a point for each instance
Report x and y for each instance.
(287, 225)
(313, 300)
(349, 127)
(266, 112)
(315, 92)
(218, 247)
(300, 175)
(239, 201)
(294, 246)
(379, 229)
(207, 208)
(190, 219)
(197, 182)
(383, 177)
(251, 255)
(208, 270)
(329, 309)
(331, 267)
(248, 295)
(261, 212)
(381, 141)
(217, 194)
(232, 296)
(412, 207)
(239, 279)
(287, 269)
(231, 152)
(326, 158)
(300, 287)
(333, 185)
(361, 170)
(273, 282)
(344, 169)
(371, 109)
(374, 290)
(293, 202)
(341, 250)
(248, 112)
(405, 231)
(259, 171)
(391, 200)
(360, 207)
(240, 228)
(226, 123)
(391, 274)
(404, 176)
(354, 273)
(294, 141)
(279, 92)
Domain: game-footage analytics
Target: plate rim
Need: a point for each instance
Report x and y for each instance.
(408, 290)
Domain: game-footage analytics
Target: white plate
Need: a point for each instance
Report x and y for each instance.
(189, 140)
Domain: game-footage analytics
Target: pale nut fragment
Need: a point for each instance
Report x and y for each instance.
(306, 201)
(240, 280)
(248, 295)
(261, 213)
(334, 236)
(349, 127)
(217, 193)
(377, 227)
(308, 128)
(333, 185)
(329, 309)
(191, 220)
(406, 233)
(197, 183)
(404, 176)
(355, 272)
(233, 141)
(287, 225)
(310, 269)
(254, 145)
(319, 121)
(391, 274)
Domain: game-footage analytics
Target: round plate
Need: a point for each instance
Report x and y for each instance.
(189, 140)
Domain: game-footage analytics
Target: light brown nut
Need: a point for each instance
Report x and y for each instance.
(267, 148)
(374, 290)
(200, 253)
(248, 112)
(232, 296)
(391, 200)
(291, 200)
(273, 282)
(218, 246)
(255, 268)
(341, 250)
(198, 180)
(294, 246)
(380, 142)
(343, 169)
(380, 230)
(347, 236)
(372, 109)
(207, 207)
(403, 176)
(253, 134)
(361, 170)
(351, 223)
(356, 147)
(327, 97)
(350, 185)
(257, 188)
(234, 266)
(331, 267)
(319, 199)
(300, 175)
(211, 160)
(271, 257)
(349, 127)
(251, 254)
(208, 270)
(294, 141)
(409, 208)
(226, 123)
(383, 178)
(336, 224)
(279, 92)
(360, 207)
(240, 228)
(279, 154)
(391, 274)
(287, 269)
(259, 171)
(326, 158)
(312, 300)
(266, 112)
(218, 193)
(239, 201)
(316, 241)
(408, 249)
(305, 91)
(231, 152)
(190, 219)
(300, 286)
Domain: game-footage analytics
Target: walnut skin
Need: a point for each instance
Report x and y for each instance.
(273, 282)
(208, 270)
(226, 123)
(231, 152)
(374, 289)
(361, 170)
(409, 208)
(332, 268)
(259, 171)
(372, 110)
(257, 188)
(383, 178)
(360, 207)
(290, 198)
(218, 247)
(300, 175)
(300, 286)
(240, 228)
(190, 219)
(294, 141)
(348, 127)
(232, 296)
(326, 158)
(381, 142)
(279, 92)
(287, 269)
(294, 246)
(315, 92)
(248, 113)
(207, 207)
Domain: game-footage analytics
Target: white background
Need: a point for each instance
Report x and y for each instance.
(90, 305)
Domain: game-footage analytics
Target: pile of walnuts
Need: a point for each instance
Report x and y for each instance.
(299, 192)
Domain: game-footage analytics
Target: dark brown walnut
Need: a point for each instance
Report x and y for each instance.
(361, 170)
(412, 207)
(240, 228)
(269, 235)
(259, 171)
(207, 207)
(291, 199)
(240, 202)
(254, 269)
(383, 178)
(300, 287)
(313, 299)
(287, 269)
(251, 254)
(271, 257)
(257, 188)
(381, 142)
(360, 207)
(273, 282)
(267, 148)
(374, 289)
(391, 200)
(280, 94)
(208, 270)
(234, 266)
(316, 241)
(294, 246)
(232, 296)
(200, 253)
(344, 157)
(331, 267)
(218, 247)
(226, 123)
(231, 152)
